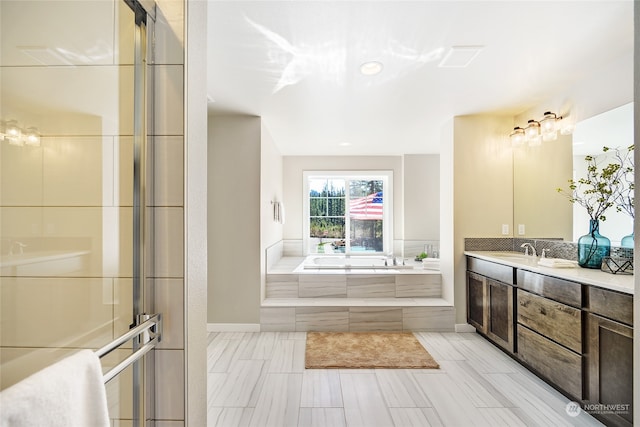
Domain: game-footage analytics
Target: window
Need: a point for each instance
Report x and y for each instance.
(353, 204)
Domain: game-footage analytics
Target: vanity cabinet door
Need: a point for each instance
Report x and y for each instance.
(550, 360)
(610, 368)
(500, 307)
(476, 301)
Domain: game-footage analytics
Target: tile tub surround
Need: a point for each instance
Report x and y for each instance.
(299, 299)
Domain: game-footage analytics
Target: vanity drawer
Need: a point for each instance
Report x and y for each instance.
(556, 321)
(613, 305)
(559, 365)
(551, 287)
(499, 272)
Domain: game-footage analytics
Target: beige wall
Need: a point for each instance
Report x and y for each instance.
(234, 245)
(482, 189)
(447, 209)
(421, 196)
(270, 191)
(292, 177)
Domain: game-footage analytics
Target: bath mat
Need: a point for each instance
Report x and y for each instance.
(353, 350)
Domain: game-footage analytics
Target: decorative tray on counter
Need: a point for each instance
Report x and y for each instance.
(617, 265)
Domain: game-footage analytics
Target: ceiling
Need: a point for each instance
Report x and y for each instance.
(296, 64)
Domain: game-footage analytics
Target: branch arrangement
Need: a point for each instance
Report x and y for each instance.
(605, 186)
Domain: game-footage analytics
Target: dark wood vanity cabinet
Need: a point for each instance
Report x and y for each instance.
(500, 308)
(476, 297)
(609, 355)
(577, 337)
(549, 329)
(490, 294)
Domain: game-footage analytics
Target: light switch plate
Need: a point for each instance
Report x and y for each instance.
(521, 229)
(505, 229)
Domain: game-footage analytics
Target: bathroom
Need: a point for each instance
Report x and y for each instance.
(459, 207)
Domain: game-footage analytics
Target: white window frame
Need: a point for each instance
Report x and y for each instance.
(386, 176)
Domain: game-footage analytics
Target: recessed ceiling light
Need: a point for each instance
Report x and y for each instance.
(345, 144)
(371, 68)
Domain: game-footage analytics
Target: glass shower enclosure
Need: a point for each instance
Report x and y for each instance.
(74, 120)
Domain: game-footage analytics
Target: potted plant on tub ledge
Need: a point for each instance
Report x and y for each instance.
(596, 192)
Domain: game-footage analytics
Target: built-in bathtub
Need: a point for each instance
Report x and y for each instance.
(319, 262)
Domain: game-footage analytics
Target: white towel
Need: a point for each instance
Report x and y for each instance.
(557, 263)
(68, 393)
(281, 216)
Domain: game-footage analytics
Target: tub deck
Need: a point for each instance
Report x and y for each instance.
(303, 299)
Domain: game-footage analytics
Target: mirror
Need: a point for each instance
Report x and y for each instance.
(539, 211)
(613, 129)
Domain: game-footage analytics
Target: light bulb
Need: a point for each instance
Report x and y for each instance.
(548, 123)
(13, 133)
(517, 136)
(532, 131)
(32, 137)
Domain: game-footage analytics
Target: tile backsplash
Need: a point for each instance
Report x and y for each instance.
(556, 248)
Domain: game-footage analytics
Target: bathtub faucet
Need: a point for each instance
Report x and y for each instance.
(16, 248)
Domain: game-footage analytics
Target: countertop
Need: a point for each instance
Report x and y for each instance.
(37, 257)
(587, 276)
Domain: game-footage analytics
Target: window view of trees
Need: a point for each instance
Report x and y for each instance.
(327, 208)
(330, 215)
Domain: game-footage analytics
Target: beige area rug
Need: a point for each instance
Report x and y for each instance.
(350, 350)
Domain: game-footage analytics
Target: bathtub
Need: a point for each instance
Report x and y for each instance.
(354, 262)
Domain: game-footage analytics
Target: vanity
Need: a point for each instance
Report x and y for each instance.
(573, 327)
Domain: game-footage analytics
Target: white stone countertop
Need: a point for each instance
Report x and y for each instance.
(615, 282)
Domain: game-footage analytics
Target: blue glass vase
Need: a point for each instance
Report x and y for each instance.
(627, 241)
(593, 247)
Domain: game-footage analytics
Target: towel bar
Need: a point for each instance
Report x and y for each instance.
(150, 333)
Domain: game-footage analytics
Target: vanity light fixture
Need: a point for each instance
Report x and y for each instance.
(544, 130)
(371, 68)
(15, 135)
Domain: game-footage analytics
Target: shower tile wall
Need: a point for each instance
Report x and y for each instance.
(166, 270)
(72, 197)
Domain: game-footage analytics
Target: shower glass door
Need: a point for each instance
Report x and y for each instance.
(72, 141)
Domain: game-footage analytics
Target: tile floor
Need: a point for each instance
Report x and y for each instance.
(258, 379)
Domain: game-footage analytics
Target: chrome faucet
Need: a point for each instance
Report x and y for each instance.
(20, 248)
(526, 247)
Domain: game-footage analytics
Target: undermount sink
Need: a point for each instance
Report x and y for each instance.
(514, 256)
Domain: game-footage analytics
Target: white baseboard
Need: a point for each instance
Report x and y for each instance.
(233, 327)
(464, 327)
